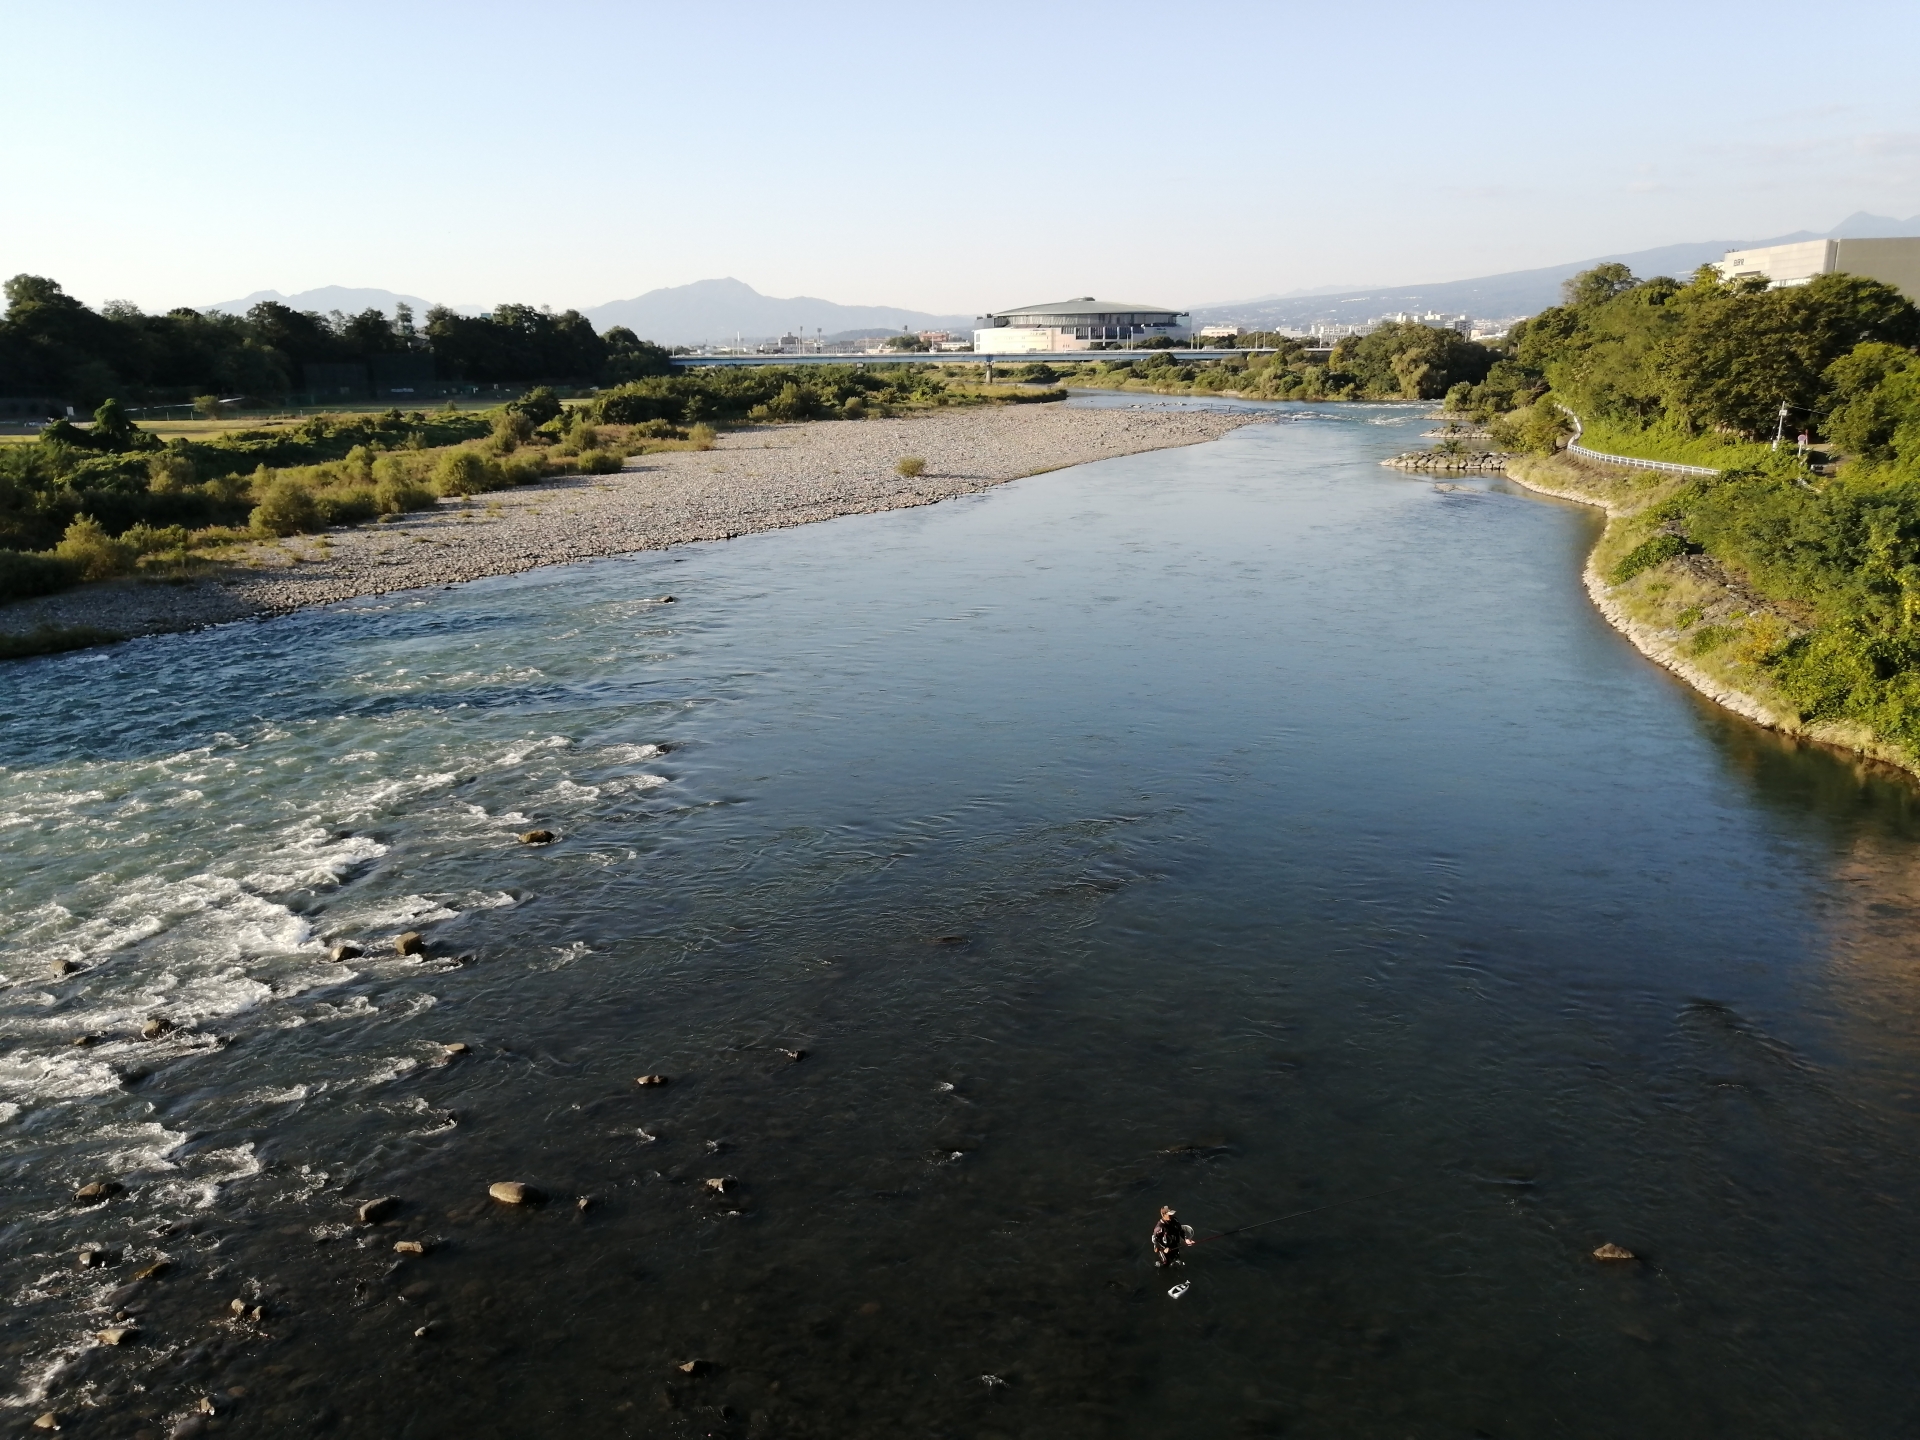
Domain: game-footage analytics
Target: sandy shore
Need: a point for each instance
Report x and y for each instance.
(763, 478)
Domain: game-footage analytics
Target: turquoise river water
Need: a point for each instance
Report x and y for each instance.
(1248, 828)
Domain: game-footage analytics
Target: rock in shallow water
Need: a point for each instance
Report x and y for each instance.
(348, 951)
(374, 1211)
(536, 837)
(1610, 1251)
(513, 1192)
(119, 1335)
(651, 1080)
(410, 1247)
(411, 943)
(98, 1191)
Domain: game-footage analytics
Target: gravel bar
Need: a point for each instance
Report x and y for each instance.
(759, 478)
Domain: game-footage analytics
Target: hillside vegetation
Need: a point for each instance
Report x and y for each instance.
(1801, 583)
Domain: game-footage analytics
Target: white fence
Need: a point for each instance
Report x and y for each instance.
(1574, 447)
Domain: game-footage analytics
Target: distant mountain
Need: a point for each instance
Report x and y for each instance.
(717, 310)
(1518, 292)
(348, 299)
(1862, 226)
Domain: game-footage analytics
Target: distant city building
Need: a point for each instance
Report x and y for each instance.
(1219, 332)
(1895, 262)
(1078, 324)
(1434, 318)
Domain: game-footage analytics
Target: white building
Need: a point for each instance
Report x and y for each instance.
(1219, 332)
(1079, 324)
(1894, 262)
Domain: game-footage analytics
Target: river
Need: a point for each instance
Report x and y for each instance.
(1248, 828)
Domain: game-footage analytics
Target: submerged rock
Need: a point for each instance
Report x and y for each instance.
(118, 1335)
(513, 1192)
(374, 1211)
(693, 1367)
(347, 951)
(98, 1191)
(795, 1055)
(457, 1047)
(92, 1258)
(155, 1028)
(84, 1040)
(722, 1184)
(1610, 1251)
(65, 967)
(154, 1271)
(536, 837)
(651, 1080)
(48, 1421)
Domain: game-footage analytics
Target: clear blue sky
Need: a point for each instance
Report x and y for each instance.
(950, 158)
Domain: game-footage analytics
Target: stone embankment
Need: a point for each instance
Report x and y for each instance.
(1441, 462)
(759, 478)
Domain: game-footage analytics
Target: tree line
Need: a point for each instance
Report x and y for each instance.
(54, 347)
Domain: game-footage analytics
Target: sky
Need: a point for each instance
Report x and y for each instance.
(948, 158)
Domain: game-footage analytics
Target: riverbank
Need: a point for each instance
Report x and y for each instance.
(762, 478)
(1688, 613)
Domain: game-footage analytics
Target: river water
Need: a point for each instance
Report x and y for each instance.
(1248, 828)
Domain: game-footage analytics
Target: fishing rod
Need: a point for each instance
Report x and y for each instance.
(1298, 1214)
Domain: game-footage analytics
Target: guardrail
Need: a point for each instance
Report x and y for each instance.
(1574, 447)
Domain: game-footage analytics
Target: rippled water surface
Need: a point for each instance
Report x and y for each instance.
(1248, 828)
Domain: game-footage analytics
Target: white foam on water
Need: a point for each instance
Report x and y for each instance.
(199, 1181)
(626, 754)
(637, 782)
(566, 955)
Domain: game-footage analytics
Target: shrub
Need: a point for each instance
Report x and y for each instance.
(395, 494)
(662, 430)
(1710, 637)
(538, 406)
(207, 407)
(170, 473)
(510, 429)
(703, 436)
(598, 462)
(23, 575)
(468, 472)
(910, 466)
(94, 554)
(347, 507)
(287, 507)
(523, 470)
(854, 409)
(1645, 556)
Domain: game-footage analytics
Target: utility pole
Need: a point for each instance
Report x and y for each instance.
(1780, 429)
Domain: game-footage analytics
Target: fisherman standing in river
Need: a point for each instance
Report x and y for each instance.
(1168, 1236)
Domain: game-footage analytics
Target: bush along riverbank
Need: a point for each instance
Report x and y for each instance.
(111, 500)
(1787, 591)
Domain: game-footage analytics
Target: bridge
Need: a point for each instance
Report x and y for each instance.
(969, 357)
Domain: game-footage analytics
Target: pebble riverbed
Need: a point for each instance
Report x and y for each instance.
(761, 478)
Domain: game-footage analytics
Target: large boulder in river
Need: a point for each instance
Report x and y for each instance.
(513, 1192)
